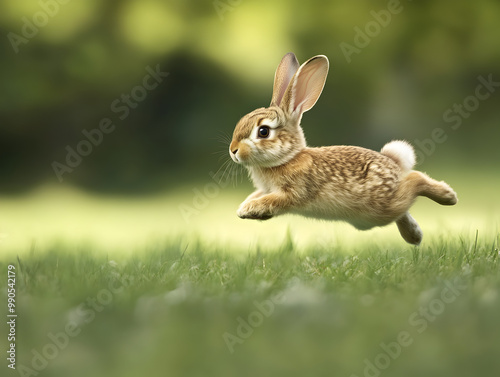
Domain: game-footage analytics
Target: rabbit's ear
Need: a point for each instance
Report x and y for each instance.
(284, 73)
(306, 86)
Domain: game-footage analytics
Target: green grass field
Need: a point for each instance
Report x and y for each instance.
(128, 287)
(176, 311)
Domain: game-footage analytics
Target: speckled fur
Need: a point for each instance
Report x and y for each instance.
(353, 184)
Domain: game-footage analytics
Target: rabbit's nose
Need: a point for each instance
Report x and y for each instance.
(233, 147)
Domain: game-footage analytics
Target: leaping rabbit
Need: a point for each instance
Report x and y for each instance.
(353, 184)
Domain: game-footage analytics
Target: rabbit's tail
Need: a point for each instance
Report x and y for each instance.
(401, 152)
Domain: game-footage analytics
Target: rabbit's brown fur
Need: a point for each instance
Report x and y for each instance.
(353, 184)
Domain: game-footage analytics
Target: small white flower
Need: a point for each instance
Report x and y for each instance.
(113, 264)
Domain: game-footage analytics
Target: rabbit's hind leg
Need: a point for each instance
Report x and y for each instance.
(424, 185)
(409, 229)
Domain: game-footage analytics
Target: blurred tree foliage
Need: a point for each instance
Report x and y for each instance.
(64, 63)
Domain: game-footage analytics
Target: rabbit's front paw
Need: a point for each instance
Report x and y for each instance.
(255, 210)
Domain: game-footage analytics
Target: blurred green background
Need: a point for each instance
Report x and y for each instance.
(168, 81)
(221, 58)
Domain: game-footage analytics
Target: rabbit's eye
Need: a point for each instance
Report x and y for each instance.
(263, 132)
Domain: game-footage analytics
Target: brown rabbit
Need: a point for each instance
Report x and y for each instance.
(353, 184)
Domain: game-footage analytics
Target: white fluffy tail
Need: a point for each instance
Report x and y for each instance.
(401, 152)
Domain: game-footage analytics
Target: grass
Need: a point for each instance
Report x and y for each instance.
(199, 310)
(133, 289)
(127, 224)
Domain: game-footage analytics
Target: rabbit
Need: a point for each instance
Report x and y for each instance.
(360, 186)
